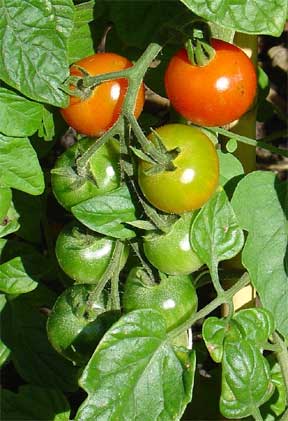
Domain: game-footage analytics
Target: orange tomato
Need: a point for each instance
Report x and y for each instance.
(95, 115)
(215, 94)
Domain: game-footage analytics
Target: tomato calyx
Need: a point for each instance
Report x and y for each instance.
(158, 155)
(199, 49)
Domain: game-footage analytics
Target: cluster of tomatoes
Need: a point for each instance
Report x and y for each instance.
(211, 95)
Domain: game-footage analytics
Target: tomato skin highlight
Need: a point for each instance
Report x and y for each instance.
(174, 297)
(84, 255)
(95, 115)
(215, 94)
(172, 252)
(196, 176)
(70, 189)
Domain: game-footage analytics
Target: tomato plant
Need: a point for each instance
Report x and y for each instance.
(174, 297)
(176, 330)
(96, 114)
(195, 177)
(228, 90)
(82, 255)
(172, 252)
(70, 188)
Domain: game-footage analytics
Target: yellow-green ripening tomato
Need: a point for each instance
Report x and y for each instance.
(195, 178)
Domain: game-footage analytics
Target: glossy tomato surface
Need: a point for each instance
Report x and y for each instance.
(196, 175)
(84, 255)
(174, 297)
(70, 188)
(95, 115)
(215, 94)
(75, 325)
(172, 252)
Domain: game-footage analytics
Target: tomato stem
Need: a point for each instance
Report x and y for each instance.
(247, 140)
(282, 357)
(112, 269)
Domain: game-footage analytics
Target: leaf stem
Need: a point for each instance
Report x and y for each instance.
(282, 357)
(257, 414)
(84, 159)
(248, 140)
(222, 298)
(215, 278)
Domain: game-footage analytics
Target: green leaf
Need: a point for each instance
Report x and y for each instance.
(215, 234)
(135, 370)
(107, 213)
(34, 403)
(19, 166)
(18, 115)
(265, 247)
(47, 129)
(143, 225)
(10, 223)
(250, 16)
(14, 279)
(276, 405)
(246, 380)
(4, 350)
(81, 40)
(36, 266)
(230, 167)
(33, 37)
(30, 209)
(5, 201)
(215, 331)
(24, 332)
(257, 324)
(127, 16)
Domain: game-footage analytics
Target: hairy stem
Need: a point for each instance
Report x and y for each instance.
(113, 267)
(222, 298)
(282, 357)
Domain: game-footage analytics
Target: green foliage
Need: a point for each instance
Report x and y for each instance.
(266, 198)
(25, 334)
(52, 23)
(108, 213)
(215, 234)
(137, 362)
(254, 17)
(34, 402)
(67, 340)
(19, 166)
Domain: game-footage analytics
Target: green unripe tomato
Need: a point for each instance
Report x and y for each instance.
(172, 252)
(174, 297)
(71, 188)
(84, 255)
(75, 326)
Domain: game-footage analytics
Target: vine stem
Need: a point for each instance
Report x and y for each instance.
(215, 278)
(134, 75)
(282, 357)
(257, 415)
(112, 268)
(222, 298)
(248, 140)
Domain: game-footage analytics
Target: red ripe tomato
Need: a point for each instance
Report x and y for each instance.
(95, 115)
(215, 94)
